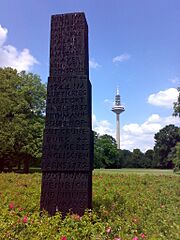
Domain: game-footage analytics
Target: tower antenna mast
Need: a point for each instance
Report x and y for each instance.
(117, 109)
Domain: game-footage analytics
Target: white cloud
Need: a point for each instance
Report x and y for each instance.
(93, 64)
(150, 128)
(164, 98)
(135, 135)
(154, 118)
(175, 80)
(109, 103)
(106, 100)
(121, 58)
(3, 35)
(171, 120)
(141, 136)
(133, 128)
(102, 127)
(11, 57)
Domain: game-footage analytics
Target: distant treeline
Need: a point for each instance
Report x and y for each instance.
(165, 154)
(22, 117)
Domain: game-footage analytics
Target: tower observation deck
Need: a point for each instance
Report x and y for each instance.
(117, 109)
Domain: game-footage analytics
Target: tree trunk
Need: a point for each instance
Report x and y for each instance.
(1, 165)
(19, 164)
(26, 165)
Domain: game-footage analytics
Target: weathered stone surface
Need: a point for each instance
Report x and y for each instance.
(68, 145)
(66, 191)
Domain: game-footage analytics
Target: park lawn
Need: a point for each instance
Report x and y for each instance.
(125, 206)
(136, 171)
(125, 171)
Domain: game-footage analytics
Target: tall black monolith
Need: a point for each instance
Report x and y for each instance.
(67, 144)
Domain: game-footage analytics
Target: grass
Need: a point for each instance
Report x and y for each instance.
(122, 171)
(127, 203)
(136, 171)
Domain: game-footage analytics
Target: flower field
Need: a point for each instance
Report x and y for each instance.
(125, 207)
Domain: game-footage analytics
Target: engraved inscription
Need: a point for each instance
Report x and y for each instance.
(65, 191)
(67, 149)
(67, 53)
(67, 103)
(67, 142)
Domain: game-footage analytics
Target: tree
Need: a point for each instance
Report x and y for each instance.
(106, 154)
(98, 153)
(177, 105)
(138, 158)
(22, 97)
(149, 159)
(174, 156)
(126, 158)
(165, 140)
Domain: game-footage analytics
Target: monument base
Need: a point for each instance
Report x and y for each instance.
(66, 192)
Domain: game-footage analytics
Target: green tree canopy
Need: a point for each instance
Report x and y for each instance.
(149, 159)
(125, 158)
(138, 158)
(165, 140)
(176, 157)
(106, 154)
(22, 97)
(177, 105)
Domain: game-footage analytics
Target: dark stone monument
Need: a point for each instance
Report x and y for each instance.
(68, 140)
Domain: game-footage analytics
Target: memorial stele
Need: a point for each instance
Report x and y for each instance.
(67, 157)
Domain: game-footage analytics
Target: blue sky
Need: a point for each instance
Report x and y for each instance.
(134, 45)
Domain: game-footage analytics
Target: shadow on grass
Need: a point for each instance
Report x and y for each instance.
(15, 170)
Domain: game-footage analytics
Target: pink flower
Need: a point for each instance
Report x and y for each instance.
(11, 205)
(63, 238)
(142, 235)
(108, 230)
(76, 217)
(25, 219)
(135, 238)
(117, 238)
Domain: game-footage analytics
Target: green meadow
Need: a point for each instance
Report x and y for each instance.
(127, 204)
(135, 171)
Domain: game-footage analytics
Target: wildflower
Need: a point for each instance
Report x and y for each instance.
(135, 238)
(117, 238)
(108, 230)
(142, 235)
(63, 238)
(76, 217)
(25, 219)
(11, 205)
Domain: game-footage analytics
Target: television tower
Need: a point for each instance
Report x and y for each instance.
(117, 108)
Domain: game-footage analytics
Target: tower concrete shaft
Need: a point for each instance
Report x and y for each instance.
(118, 130)
(118, 108)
